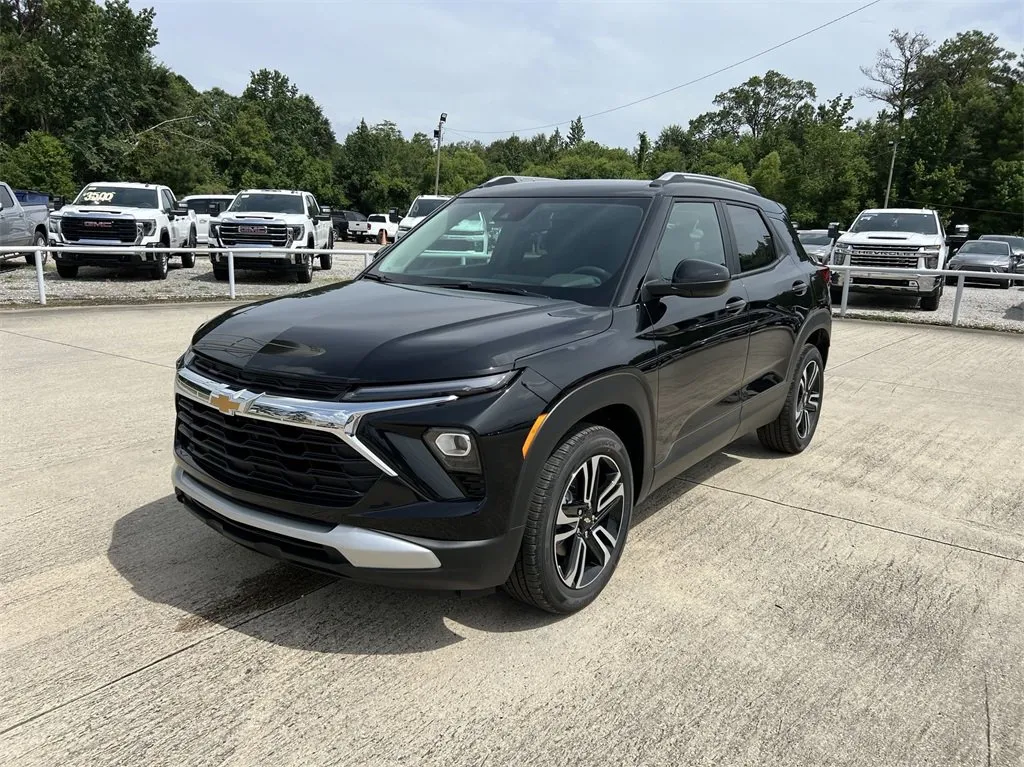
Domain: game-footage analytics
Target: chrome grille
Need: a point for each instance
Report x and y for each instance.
(75, 228)
(274, 235)
(887, 256)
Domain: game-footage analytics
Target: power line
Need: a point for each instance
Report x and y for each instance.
(688, 83)
(936, 205)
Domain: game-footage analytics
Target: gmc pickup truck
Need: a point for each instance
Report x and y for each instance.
(116, 216)
(22, 224)
(272, 229)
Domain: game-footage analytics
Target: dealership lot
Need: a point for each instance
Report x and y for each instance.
(858, 604)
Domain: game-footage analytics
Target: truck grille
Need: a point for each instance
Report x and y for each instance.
(274, 235)
(278, 460)
(269, 383)
(75, 229)
(889, 256)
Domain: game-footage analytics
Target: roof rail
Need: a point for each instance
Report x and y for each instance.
(502, 180)
(679, 178)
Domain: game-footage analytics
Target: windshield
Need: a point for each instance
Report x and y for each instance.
(125, 197)
(917, 223)
(258, 202)
(814, 238)
(424, 207)
(987, 247)
(573, 249)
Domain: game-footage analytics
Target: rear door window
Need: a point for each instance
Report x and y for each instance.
(753, 240)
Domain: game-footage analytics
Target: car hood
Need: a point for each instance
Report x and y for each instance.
(410, 221)
(365, 331)
(909, 239)
(106, 210)
(981, 259)
(287, 218)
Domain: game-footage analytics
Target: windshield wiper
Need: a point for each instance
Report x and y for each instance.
(376, 277)
(475, 286)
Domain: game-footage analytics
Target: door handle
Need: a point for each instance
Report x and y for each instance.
(735, 304)
(800, 287)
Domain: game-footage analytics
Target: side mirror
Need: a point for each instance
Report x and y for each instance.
(58, 203)
(393, 215)
(693, 278)
(214, 212)
(325, 211)
(833, 231)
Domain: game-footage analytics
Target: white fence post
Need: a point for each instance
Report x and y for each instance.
(959, 295)
(846, 294)
(39, 277)
(231, 273)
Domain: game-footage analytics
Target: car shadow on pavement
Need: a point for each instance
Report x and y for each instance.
(169, 557)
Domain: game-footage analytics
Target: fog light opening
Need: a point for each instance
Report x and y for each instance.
(454, 444)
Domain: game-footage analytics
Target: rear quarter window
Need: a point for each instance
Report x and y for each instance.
(787, 240)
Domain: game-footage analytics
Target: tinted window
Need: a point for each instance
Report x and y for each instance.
(378, 219)
(314, 209)
(166, 201)
(987, 247)
(787, 240)
(206, 205)
(753, 241)
(573, 249)
(5, 198)
(693, 232)
(352, 216)
(422, 207)
(815, 238)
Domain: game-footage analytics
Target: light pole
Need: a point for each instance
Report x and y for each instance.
(437, 135)
(892, 164)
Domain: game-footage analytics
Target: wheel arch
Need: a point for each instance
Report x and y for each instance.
(619, 400)
(817, 330)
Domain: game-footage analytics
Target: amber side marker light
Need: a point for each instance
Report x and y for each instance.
(533, 432)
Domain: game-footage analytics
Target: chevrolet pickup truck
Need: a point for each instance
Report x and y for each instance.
(272, 229)
(118, 216)
(22, 224)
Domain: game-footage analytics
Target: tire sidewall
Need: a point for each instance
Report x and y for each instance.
(810, 352)
(602, 441)
(39, 241)
(161, 267)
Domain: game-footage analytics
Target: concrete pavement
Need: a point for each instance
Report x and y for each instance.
(859, 604)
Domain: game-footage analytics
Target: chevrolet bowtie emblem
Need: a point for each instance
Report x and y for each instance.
(234, 404)
(224, 403)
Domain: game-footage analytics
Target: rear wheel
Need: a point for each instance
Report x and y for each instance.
(576, 524)
(793, 430)
(327, 259)
(67, 271)
(39, 241)
(188, 260)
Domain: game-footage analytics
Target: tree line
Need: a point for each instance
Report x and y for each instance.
(82, 98)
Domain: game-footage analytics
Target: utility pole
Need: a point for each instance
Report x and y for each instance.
(892, 164)
(437, 135)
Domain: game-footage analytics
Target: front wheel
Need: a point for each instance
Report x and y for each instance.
(159, 268)
(305, 273)
(931, 303)
(220, 273)
(39, 241)
(67, 271)
(576, 524)
(793, 430)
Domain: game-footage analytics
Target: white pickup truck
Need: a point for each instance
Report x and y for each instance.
(114, 217)
(272, 229)
(204, 205)
(910, 239)
(383, 227)
(22, 224)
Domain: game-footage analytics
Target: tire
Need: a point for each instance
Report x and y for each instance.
(931, 303)
(327, 259)
(360, 239)
(305, 273)
(159, 269)
(791, 433)
(67, 271)
(220, 273)
(188, 260)
(39, 241)
(545, 567)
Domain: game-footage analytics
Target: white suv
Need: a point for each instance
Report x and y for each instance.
(421, 207)
(908, 239)
(272, 229)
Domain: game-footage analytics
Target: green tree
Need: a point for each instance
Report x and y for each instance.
(643, 151)
(40, 162)
(761, 103)
(768, 178)
(576, 133)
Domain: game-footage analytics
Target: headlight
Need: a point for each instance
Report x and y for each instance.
(931, 262)
(929, 251)
(840, 252)
(403, 228)
(186, 358)
(296, 232)
(54, 225)
(462, 387)
(145, 228)
(214, 231)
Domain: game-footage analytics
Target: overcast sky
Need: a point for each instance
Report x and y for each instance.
(511, 65)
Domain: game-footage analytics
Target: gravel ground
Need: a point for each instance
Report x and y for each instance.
(990, 308)
(127, 286)
(982, 307)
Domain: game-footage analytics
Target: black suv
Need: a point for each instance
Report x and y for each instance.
(488, 401)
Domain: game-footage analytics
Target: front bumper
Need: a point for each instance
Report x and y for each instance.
(911, 284)
(106, 254)
(290, 258)
(351, 552)
(409, 523)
